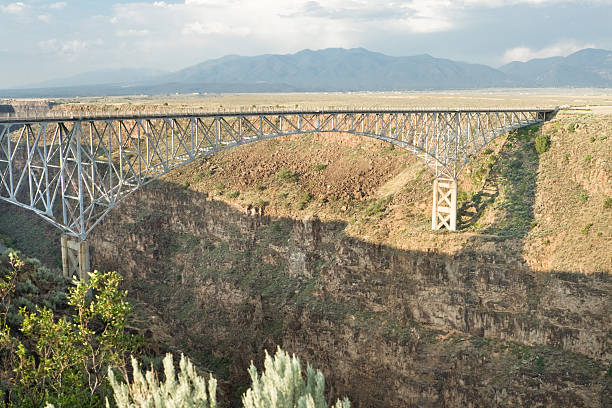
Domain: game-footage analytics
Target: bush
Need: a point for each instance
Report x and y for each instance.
(321, 167)
(281, 385)
(185, 391)
(542, 144)
(607, 203)
(233, 194)
(63, 359)
(304, 200)
(198, 177)
(571, 127)
(588, 158)
(287, 175)
(378, 207)
(583, 197)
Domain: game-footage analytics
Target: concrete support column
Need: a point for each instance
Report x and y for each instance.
(75, 258)
(444, 210)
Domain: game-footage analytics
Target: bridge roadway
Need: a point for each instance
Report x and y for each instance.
(73, 170)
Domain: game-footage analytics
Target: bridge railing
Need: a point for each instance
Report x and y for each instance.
(58, 115)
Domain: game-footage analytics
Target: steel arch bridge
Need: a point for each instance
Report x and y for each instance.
(73, 171)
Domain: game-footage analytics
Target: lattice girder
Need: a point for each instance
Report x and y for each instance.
(73, 171)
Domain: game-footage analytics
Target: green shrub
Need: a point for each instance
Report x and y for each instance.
(321, 167)
(6, 241)
(282, 385)
(198, 177)
(220, 187)
(233, 194)
(542, 143)
(378, 207)
(186, 390)
(260, 187)
(304, 200)
(571, 127)
(587, 228)
(26, 287)
(287, 175)
(583, 197)
(588, 158)
(607, 203)
(64, 359)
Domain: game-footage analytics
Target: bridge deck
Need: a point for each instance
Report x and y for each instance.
(59, 116)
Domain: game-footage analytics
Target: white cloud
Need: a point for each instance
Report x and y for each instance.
(58, 6)
(523, 53)
(13, 8)
(69, 49)
(505, 3)
(132, 33)
(214, 28)
(206, 2)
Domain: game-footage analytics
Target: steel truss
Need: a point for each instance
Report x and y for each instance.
(73, 171)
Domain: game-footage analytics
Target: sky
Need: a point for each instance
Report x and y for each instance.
(43, 40)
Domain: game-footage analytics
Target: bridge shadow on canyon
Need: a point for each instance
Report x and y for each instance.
(388, 327)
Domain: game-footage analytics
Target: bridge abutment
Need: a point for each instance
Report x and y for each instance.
(75, 258)
(444, 210)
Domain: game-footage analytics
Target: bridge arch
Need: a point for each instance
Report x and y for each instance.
(73, 171)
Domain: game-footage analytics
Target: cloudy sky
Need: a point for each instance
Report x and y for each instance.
(49, 39)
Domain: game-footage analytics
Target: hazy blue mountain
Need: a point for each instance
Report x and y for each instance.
(585, 68)
(337, 69)
(333, 69)
(102, 77)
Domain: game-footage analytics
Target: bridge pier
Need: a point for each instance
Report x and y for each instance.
(75, 258)
(444, 211)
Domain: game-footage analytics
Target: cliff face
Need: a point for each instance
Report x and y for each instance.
(388, 327)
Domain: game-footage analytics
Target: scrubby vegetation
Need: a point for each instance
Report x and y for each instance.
(287, 175)
(186, 390)
(542, 143)
(59, 348)
(67, 352)
(281, 385)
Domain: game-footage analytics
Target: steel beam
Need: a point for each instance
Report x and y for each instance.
(73, 177)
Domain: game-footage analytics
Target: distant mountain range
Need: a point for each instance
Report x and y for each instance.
(333, 69)
(585, 68)
(110, 76)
